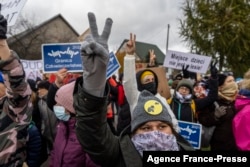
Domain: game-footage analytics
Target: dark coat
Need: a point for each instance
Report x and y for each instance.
(184, 112)
(222, 138)
(96, 138)
(34, 146)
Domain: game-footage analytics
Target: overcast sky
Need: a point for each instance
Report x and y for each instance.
(148, 19)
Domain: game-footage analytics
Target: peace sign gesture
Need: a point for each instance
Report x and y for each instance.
(152, 57)
(130, 45)
(95, 56)
(101, 39)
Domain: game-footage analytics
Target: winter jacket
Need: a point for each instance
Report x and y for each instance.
(67, 150)
(34, 146)
(96, 138)
(223, 138)
(15, 114)
(49, 122)
(132, 86)
(241, 125)
(184, 111)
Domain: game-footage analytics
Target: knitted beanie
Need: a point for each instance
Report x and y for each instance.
(221, 79)
(144, 74)
(149, 108)
(139, 76)
(64, 96)
(43, 84)
(187, 83)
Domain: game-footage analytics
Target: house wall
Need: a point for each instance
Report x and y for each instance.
(56, 31)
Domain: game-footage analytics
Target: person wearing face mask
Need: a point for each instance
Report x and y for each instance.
(185, 105)
(15, 103)
(150, 117)
(67, 150)
(146, 79)
(221, 116)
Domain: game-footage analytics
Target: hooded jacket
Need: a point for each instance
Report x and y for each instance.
(15, 114)
(241, 126)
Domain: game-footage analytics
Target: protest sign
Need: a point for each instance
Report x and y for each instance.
(68, 55)
(10, 9)
(191, 132)
(113, 65)
(61, 55)
(32, 68)
(197, 63)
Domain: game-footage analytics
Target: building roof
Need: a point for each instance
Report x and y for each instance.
(28, 31)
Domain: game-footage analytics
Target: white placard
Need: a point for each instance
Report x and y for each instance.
(32, 68)
(10, 9)
(197, 63)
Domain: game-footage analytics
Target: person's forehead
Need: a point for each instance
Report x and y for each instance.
(154, 122)
(230, 78)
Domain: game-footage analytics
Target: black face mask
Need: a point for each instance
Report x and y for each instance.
(151, 87)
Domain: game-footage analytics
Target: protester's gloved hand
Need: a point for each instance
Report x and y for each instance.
(213, 70)
(220, 111)
(95, 57)
(185, 71)
(3, 27)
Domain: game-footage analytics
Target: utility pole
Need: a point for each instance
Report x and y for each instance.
(169, 69)
(167, 37)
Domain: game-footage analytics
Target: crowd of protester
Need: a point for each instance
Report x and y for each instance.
(89, 120)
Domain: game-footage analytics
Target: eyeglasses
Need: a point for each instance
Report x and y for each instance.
(183, 88)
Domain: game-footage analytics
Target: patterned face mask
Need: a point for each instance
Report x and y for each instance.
(154, 141)
(60, 113)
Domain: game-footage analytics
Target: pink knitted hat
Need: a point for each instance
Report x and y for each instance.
(64, 96)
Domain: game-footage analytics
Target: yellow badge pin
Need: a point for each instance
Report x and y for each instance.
(153, 107)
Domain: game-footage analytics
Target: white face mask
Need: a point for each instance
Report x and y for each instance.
(155, 141)
(60, 113)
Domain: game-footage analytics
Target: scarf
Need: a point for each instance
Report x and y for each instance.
(182, 98)
(229, 91)
(155, 141)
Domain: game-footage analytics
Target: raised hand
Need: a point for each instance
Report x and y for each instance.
(185, 71)
(152, 57)
(130, 45)
(60, 76)
(95, 57)
(213, 69)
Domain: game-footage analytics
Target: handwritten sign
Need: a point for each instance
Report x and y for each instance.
(191, 132)
(197, 63)
(10, 10)
(32, 68)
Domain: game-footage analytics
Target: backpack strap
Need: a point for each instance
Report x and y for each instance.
(193, 107)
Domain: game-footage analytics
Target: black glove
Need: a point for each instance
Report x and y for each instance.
(213, 70)
(3, 27)
(185, 71)
(95, 57)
